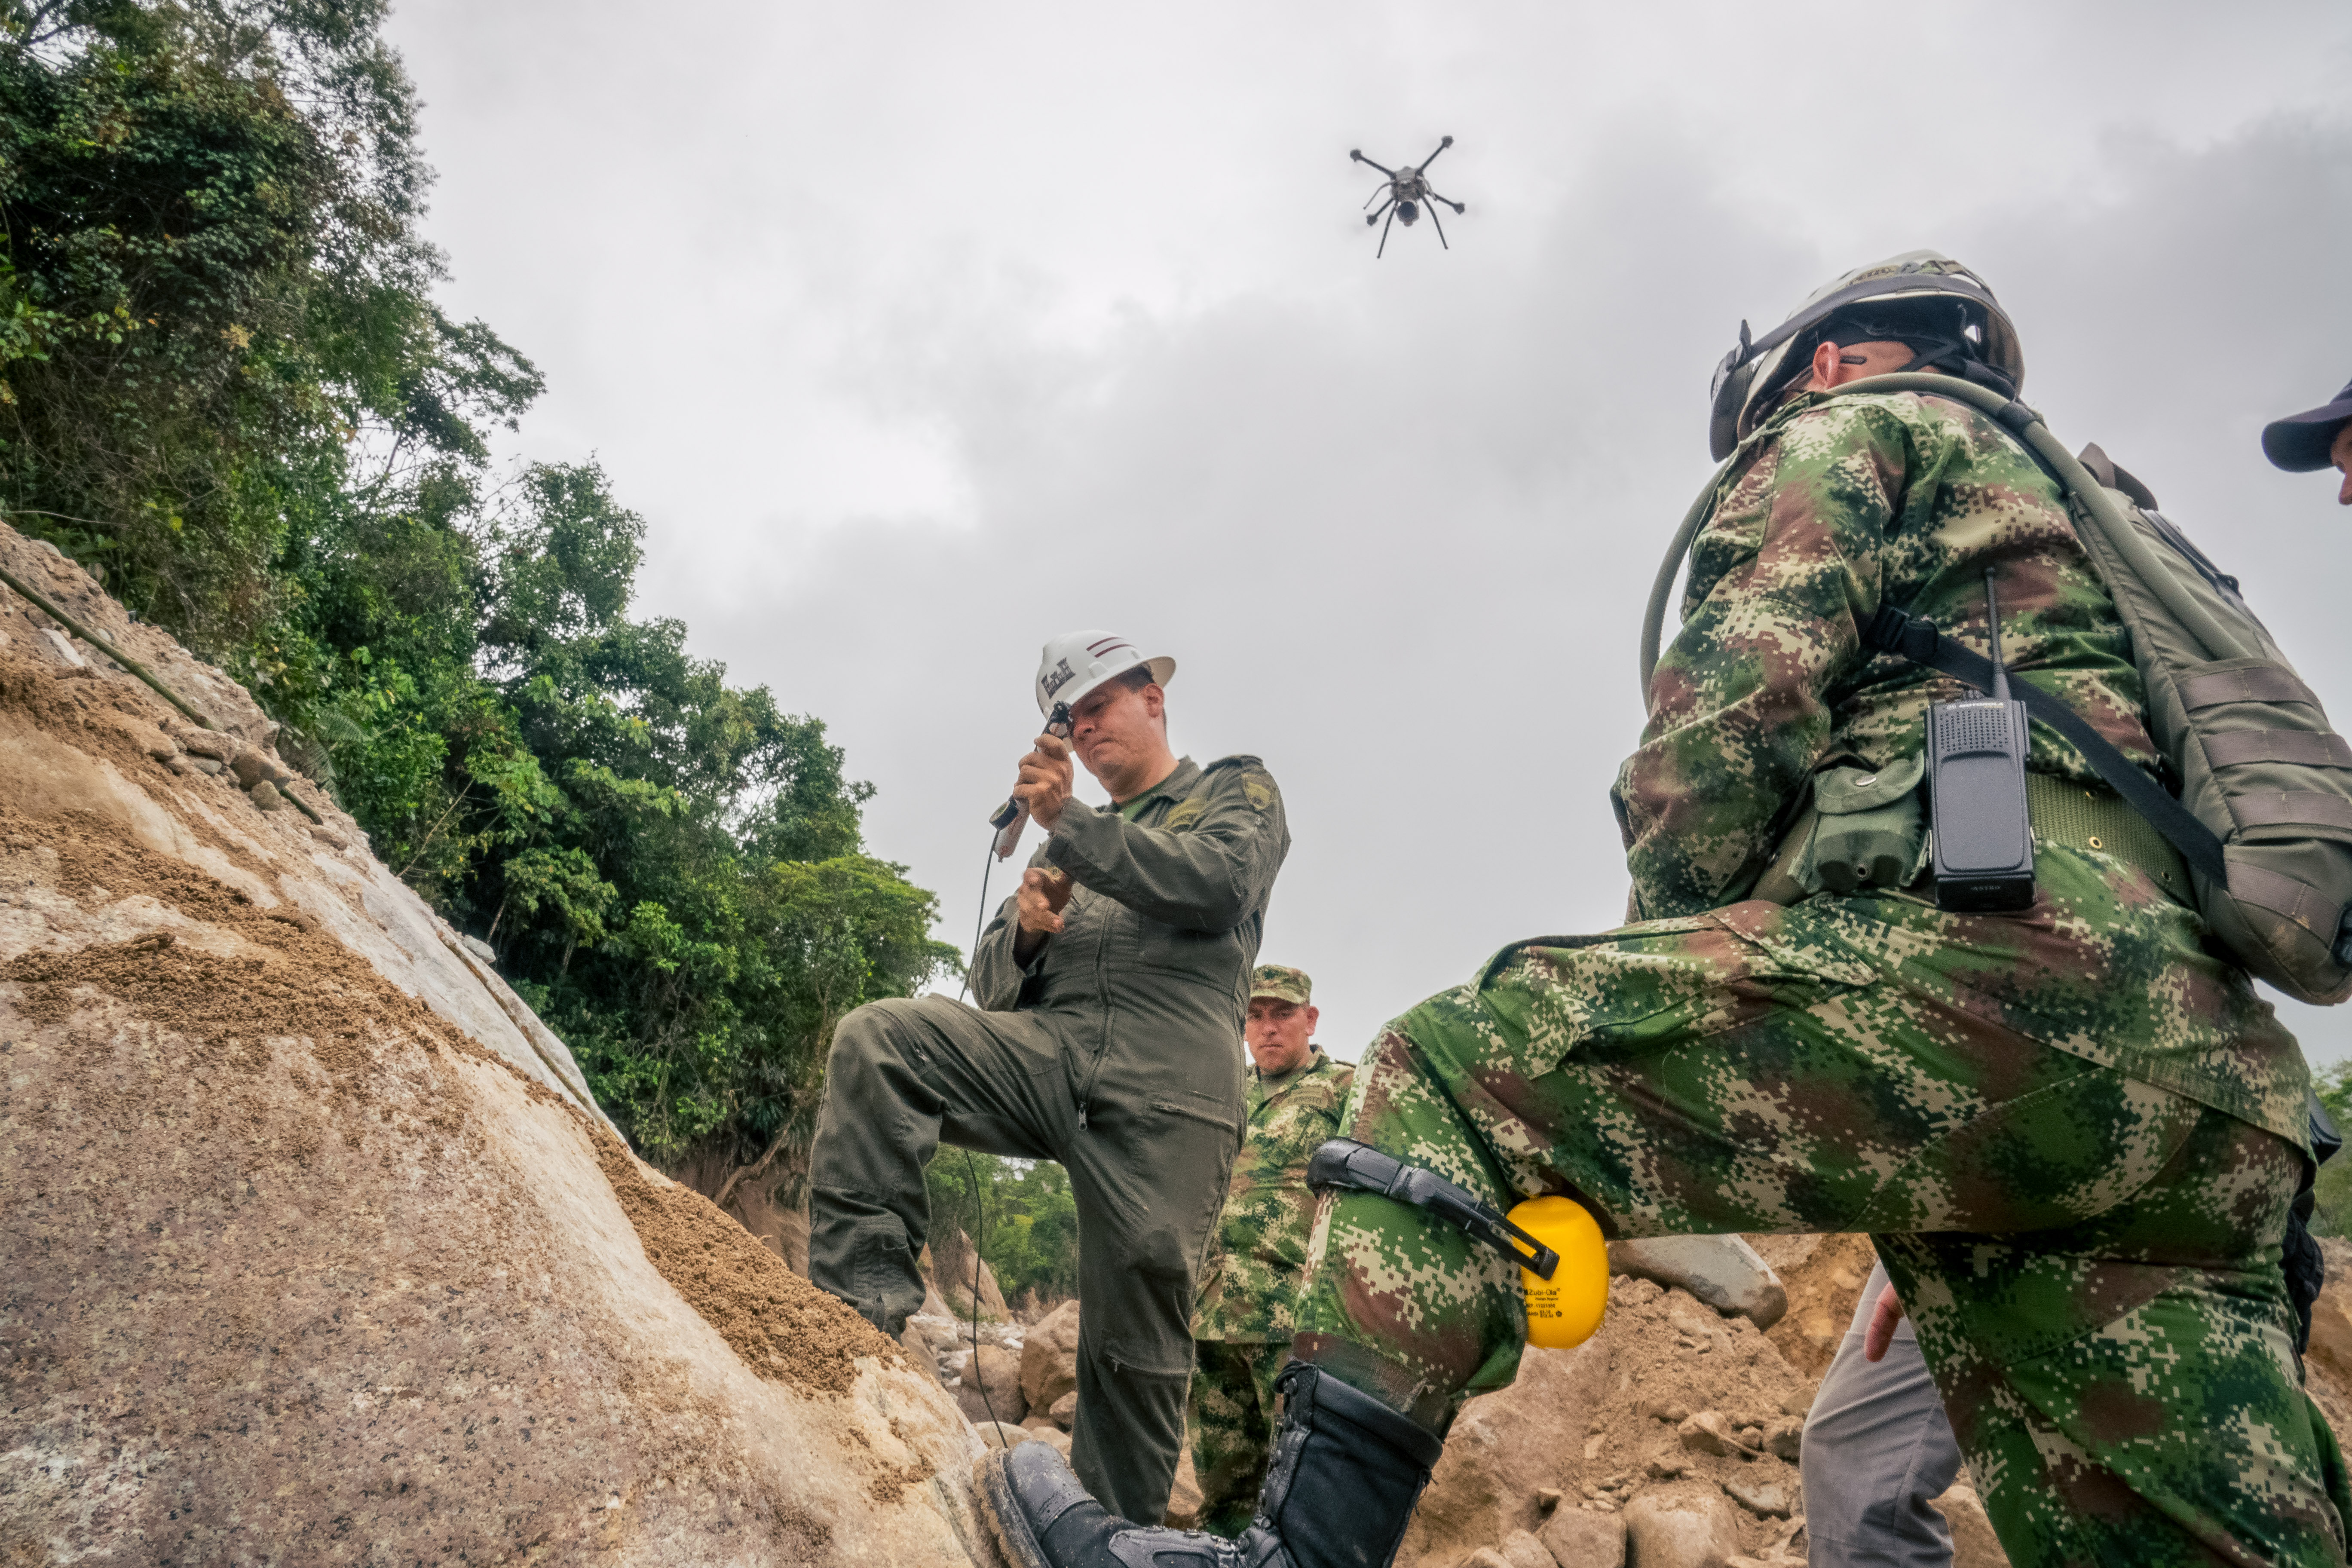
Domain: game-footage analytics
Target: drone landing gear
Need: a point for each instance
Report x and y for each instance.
(1408, 193)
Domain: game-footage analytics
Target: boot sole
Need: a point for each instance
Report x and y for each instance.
(998, 1505)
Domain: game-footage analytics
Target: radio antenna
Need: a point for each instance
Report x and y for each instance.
(1992, 625)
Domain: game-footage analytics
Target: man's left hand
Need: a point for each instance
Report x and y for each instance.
(1044, 783)
(1880, 1333)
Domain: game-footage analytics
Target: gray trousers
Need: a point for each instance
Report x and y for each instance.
(1148, 1175)
(1877, 1446)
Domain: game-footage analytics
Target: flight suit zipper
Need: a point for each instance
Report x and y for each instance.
(1155, 811)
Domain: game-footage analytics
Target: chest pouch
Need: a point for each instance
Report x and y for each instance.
(1868, 829)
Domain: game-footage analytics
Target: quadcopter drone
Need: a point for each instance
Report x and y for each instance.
(1407, 190)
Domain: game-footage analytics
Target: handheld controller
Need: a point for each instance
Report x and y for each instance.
(1976, 782)
(1008, 819)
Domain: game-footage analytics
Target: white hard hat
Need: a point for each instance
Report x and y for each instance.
(1076, 662)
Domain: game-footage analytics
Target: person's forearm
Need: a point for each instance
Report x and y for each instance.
(1205, 881)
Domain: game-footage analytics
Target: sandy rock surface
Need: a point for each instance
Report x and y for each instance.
(1670, 1400)
(1049, 1358)
(319, 1252)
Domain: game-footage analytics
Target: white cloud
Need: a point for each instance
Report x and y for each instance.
(922, 333)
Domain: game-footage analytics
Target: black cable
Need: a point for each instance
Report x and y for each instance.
(980, 1228)
(987, 868)
(971, 1171)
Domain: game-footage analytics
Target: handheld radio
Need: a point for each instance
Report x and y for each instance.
(1976, 783)
(1009, 819)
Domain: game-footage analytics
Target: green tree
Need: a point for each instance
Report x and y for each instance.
(224, 386)
(1021, 1211)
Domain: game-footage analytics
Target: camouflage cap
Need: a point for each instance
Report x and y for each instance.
(1282, 982)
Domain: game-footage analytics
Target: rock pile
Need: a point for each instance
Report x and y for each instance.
(1671, 1440)
(319, 1250)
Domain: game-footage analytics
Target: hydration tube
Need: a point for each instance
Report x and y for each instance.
(1654, 619)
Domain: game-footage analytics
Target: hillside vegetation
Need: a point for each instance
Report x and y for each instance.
(227, 389)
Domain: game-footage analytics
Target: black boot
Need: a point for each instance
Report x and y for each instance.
(1345, 1474)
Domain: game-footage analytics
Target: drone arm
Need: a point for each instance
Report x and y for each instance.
(1459, 209)
(1372, 218)
(1441, 146)
(1383, 168)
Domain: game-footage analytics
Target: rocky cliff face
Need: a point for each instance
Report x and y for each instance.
(318, 1250)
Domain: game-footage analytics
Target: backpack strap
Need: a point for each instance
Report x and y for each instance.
(1892, 631)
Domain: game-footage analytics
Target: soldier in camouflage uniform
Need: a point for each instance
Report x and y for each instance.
(2073, 1132)
(1241, 1327)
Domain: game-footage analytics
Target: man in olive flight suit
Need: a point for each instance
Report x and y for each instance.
(1241, 1330)
(1111, 989)
(2072, 1131)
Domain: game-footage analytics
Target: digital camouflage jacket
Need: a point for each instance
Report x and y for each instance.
(1251, 1288)
(1834, 507)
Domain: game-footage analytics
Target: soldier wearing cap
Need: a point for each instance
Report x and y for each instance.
(1110, 987)
(1241, 1330)
(2316, 438)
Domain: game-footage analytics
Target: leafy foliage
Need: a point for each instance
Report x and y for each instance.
(1022, 1211)
(224, 386)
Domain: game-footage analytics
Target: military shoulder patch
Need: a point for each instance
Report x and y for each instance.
(1186, 813)
(1257, 784)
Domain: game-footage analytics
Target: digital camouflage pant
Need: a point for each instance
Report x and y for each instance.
(1231, 1414)
(2091, 1262)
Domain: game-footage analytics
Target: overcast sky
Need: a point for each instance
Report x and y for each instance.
(919, 332)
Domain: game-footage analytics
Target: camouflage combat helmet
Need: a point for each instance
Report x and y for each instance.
(1976, 339)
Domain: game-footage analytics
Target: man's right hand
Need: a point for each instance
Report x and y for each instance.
(1043, 895)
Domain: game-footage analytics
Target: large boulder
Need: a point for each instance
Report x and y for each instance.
(990, 1390)
(950, 1264)
(1049, 1358)
(1723, 1271)
(1681, 1528)
(1581, 1537)
(319, 1250)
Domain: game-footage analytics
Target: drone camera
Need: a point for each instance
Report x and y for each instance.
(1403, 194)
